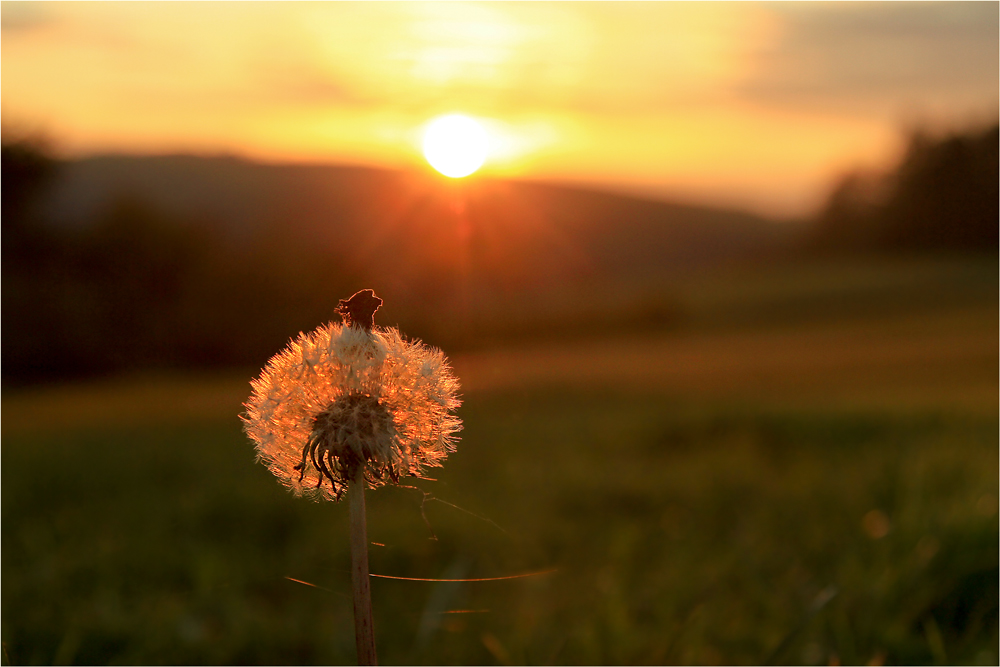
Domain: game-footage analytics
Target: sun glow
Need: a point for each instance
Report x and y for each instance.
(455, 145)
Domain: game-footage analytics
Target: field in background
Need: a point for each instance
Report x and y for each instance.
(806, 472)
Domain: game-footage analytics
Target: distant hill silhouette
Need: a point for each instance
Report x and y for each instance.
(183, 261)
(944, 196)
(326, 202)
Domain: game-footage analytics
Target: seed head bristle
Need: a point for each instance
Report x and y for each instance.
(345, 396)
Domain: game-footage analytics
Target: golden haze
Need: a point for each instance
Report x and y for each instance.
(740, 103)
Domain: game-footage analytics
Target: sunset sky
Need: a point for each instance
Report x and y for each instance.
(758, 106)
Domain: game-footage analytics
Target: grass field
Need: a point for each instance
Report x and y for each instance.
(782, 484)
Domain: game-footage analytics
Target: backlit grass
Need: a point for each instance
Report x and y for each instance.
(698, 534)
(785, 486)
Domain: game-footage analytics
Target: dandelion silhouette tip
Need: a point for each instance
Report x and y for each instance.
(360, 309)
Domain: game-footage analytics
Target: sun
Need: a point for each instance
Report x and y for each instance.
(455, 145)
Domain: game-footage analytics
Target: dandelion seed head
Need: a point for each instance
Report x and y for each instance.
(340, 397)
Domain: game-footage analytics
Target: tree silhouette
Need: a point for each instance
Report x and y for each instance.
(942, 197)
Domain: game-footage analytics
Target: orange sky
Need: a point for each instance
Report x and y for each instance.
(753, 105)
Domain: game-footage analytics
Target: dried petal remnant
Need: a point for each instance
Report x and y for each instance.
(360, 309)
(341, 396)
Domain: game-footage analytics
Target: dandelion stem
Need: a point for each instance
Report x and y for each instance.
(364, 631)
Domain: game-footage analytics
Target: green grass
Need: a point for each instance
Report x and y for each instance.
(810, 475)
(697, 534)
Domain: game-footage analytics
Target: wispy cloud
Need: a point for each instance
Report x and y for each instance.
(879, 59)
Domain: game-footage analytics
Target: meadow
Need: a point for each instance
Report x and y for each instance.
(806, 472)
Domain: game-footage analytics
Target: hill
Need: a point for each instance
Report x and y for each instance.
(328, 202)
(192, 260)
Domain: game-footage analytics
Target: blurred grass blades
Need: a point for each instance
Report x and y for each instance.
(698, 490)
(682, 534)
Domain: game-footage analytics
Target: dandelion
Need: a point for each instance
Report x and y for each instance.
(349, 405)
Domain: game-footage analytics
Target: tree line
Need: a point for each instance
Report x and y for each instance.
(943, 196)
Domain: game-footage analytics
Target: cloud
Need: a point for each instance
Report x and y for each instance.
(24, 16)
(879, 58)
